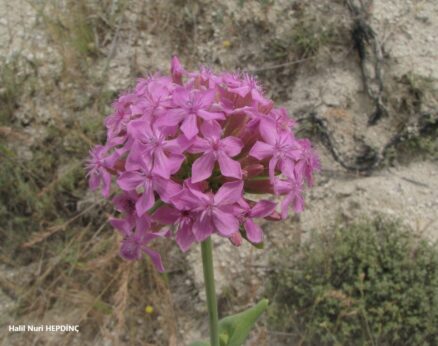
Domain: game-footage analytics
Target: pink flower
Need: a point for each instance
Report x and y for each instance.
(153, 98)
(260, 209)
(292, 188)
(98, 166)
(189, 105)
(144, 178)
(282, 120)
(246, 87)
(135, 240)
(308, 162)
(125, 202)
(185, 150)
(150, 144)
(183, 219)
(131, 180)
(215, 149)
(116, 123)
(280, 146)
(214, 212)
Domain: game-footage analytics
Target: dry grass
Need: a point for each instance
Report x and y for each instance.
(61, 254)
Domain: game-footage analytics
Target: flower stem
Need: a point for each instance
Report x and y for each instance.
(207, 263)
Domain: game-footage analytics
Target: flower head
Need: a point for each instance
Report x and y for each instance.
(182, 153)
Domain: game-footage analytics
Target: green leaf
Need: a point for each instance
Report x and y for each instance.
(235, 329)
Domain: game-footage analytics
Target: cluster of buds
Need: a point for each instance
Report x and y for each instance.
(184, 149)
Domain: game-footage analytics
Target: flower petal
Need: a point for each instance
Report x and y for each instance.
(142, 226)
(206, 115)
(261, 150)
(129, 181)
(206, 98)
(139, 129)
(200, 145)
(184, 236)
(180, 97)
(282, 187)
(94, 181)
(263, 209)
(253, 231)
(162, 164)
(287, 167)
(232, 145)
(285, 206)
(156, 258)
(211, 129)
(203, 227)
(203, 167)
(268, 131)
(229, 167)
(124, 226)
(229, 193)
(146, 201)
(177, 145)
(196, 190)
(189, 126)
(272, 166)
(166, 215)
(106, 186)
(134, 161)
(242, 91)
(176, 160)
(256, 96)
(130, 249)
(298, 203)
(185, 200)
(166, 188)
(172, 117)
(225, 223)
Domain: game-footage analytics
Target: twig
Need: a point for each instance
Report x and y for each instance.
(412, 181)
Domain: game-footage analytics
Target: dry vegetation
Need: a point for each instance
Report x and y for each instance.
(52, 230)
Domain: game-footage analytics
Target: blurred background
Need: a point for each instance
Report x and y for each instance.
(359, 266)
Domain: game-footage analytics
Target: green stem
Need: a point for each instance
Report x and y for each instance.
(207, 264)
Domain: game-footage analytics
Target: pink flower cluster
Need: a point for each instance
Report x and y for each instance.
(183, 150)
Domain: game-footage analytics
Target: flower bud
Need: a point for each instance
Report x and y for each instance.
(236, 239)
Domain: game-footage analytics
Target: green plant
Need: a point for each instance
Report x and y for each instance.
(417, 147)
(371, 283)
(309, 36)
(304, 40)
